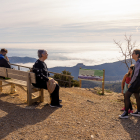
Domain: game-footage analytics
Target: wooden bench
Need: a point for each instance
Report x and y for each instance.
(21, 79)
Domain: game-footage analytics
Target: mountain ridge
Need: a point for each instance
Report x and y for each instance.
(113, 71)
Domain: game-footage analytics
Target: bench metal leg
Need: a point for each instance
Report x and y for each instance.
(41, 94)
(0, 87)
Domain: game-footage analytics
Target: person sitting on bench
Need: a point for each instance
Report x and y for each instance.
(42, 80)
(4, 61)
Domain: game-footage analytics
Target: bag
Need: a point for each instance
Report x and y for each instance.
(51, 84)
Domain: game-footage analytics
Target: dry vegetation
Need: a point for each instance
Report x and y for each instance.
(85, 116)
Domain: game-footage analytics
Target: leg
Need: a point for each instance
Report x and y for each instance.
(137, 113)
(124, 99)
(55, 96)
(127, 105)
(138, 101)
(130, 106)
(124, 104)
(127, 100)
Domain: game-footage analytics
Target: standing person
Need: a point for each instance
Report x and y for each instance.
(4, 61)
(134, 86)
(42, 80)
(124, 86)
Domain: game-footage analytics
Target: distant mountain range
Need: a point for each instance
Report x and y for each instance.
(113, 71)
(15, 59)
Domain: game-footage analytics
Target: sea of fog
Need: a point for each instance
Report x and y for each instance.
(66, 54)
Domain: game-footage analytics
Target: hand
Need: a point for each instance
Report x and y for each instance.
(129, 85)
(122, 91)
(6, 58)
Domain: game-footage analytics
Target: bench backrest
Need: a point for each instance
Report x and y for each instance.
(3, 72)
(17, 74)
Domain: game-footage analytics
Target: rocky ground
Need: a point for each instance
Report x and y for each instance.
(85, 115)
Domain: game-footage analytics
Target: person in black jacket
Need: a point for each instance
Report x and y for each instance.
(41, 71)
(4, 61)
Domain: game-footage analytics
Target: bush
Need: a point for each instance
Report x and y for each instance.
(61, 79)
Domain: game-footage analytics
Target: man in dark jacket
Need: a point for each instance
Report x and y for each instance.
(4, 59)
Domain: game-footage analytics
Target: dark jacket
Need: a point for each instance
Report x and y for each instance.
(41, 71)
(4, 62)
(135, 82)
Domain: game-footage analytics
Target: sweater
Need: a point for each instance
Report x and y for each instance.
(4, 62)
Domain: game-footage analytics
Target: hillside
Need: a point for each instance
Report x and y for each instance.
(85, 115)
(113, 71)
(15, 59)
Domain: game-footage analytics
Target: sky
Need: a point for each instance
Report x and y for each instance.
(72, 21)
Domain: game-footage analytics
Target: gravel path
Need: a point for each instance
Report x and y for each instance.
(84, 116)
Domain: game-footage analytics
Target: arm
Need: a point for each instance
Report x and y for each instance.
(136, 72)
(6, 58)
(6, 63)
(38, 70)
(123, 82)
(39, 74)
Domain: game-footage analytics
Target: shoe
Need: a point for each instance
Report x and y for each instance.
(58, 106)
(60, 101)
(122, 109)
(136, 114)
(130, 111)
(124, 115)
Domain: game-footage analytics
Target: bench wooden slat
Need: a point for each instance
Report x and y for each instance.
(32, 77)
(19, 77)
(15, 81)
(17, 72)
(3, 72)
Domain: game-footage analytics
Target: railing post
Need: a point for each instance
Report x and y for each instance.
(80, 83)
(103, 81)
(69, 81)
(18, 67)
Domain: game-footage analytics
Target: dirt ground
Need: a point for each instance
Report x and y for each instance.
(85, 115)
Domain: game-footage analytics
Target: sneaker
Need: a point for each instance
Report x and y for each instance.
(124, 115)
(60, 101)
(136, 114)
(130, 111)
(59, 106)
(122, 109)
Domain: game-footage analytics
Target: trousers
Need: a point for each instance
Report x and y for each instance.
(55, 96)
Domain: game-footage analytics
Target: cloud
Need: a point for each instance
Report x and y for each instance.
(70, 21)
(137, 29)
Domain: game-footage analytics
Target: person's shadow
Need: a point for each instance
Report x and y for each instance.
(18, 117)
(132, 126)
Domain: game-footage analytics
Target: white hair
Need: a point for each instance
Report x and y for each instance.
(40, 52)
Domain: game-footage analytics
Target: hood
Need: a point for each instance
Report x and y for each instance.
(1, 56)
